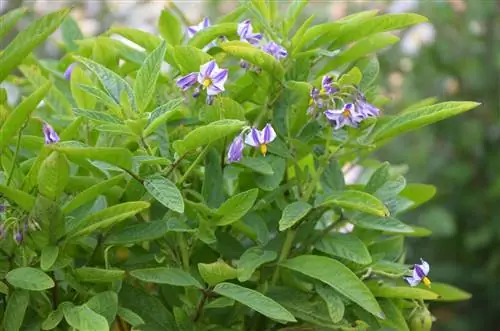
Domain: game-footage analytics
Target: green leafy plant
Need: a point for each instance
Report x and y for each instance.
(200, 184)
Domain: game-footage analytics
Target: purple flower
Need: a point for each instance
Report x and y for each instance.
(345, 116)
(364, 108)
(69, 70)
(275, 50)
(235, 151)
(326, 85)
(245, 32)
(314, 100)
(192, 30)
(261, 138)
(420, 272)
(51, 136)
(212, 78)
(185, 82)
(2, 208)
(18, 237)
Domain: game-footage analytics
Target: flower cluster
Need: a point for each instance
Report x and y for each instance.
(255, 138)
(18, 229)
(50, 134)
(420, 272)
(245, 31)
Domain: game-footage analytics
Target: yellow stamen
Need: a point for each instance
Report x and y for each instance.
(311, 101)
(346, 113)
(322, 91)
(263, 149)
(427, 281)
(207, 82)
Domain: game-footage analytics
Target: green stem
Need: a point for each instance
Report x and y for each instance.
(194, 164)
(184, 250)
(14, 159)
(285, 251)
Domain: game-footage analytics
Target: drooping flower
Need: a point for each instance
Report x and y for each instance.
(314, 100)
(326, 85)
(261, 138)
(18, 237)
(235, 151)
(245, 31)
(420, 272)
(185, 82)
(342, 117)
(50, 134)
(69, 70)
(364, 108)
(275, 50)
(210, 77)
(193, 29)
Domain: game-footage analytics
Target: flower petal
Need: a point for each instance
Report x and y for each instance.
(235, 151)
(207, 68)
(412, 281)
(214, 90)
(205, 23)
(268, 134)
(253, 138)
(425, 267)
(191, 30)
(187, 81)
(219, 78)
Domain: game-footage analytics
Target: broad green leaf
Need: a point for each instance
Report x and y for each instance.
(83, 100)
(96, 93)
(378, 178)
(293, 213)
(212, 189)
(144, 39)
(9, 19)
(107, 217)
(255, 300)
(105, 304)
(352, 199)
(163, 190)
(16, 309)
(352, 77)
(145, 82)
(170, 27)
(333, 302)
(28, 39)
(53, 320)
(222, 108)
(171, 276)
(385, 290)
(320, 34)
(332, 179)
(370, 68)
(345, 246)
(53, 176)
(207, 134)
(189, 58)
(118, 156)
(22, 199)
(338, 276)
(98, 116)
(256, 164)
(28, 278)
(161, 115)
(386, 224)
(255, 56)
(205, 36)
(361, 48)
(137, 233)
(20, 114)
(70, 33)
(448, 292)
(48, 257)
(236, 207)
(91, 193)
(84, 318)
(115, 85)
(97, 275)
(252, 259)
(216, 272)
(272, 182)
(394, 315)
(130, 317)
(418, 193)
(420, 117)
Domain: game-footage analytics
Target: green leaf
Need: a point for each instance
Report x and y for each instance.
(352, 77)
(386, 224)
(145, 82)
(256, 164)
(28, 278)
(395, 317)
(118, 156)
(378, 178)
(84, 318)
(97, 275)
(236, 207)
(345, 246)
(83, 100)
(361, 48)
(20, 114)
(205, 36)
(16, 309)
(384, 290)
(70, 33)
(333, 302)
(355, 200)
(130, 317)
(170, 27)
(271, 182)
(52, 321)
(293, 213)
(420, 117)
(255, 300)
(98, 116)
(189, 58)
(105, 304)
(447, 292)
(48, 257)
(9, 20)
(216, 272)
(213, 184)
(96, 93)
(138, 233)
(293, 12)
(163, 190)
(107, 217)
(298, 39)
(161, 115)
(91, 193)
(53, 176)
(171, 276)
(252, 259)
(22, 199)
(332, 179)
(28, 39)
(338, 276)
(207, 134)
(115, 85)
(418, 193)
(370, 68)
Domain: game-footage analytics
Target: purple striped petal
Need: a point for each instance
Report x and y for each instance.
(192, 30)
(253, 138)
(50, 134)
(425, 267)
(69, 70)
(214, 90)
(268, 134)
(205, 23)
(412, 281)
(235, 151)
(275, 50)
(187, 81)
(219, 78)
(207, 68)
(243, 28)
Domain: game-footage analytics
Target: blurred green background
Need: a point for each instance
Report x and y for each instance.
(456, 56)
